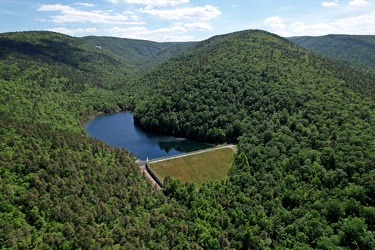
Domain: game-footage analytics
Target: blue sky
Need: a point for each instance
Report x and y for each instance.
(188, 20)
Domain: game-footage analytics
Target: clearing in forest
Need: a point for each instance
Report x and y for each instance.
(196, 168)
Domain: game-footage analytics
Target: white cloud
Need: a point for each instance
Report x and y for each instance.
(300, 28)
(132, 15)
(201, 13)
(199, 26)
(363, 24)
(157, 2)
(69, 15)
(172, 33)
(72, 32)
(135, 18)
(276, 22)
(91, 30)
(53, 7)
(85, 4)
(330, 4)
(358, 2)
(128, 12)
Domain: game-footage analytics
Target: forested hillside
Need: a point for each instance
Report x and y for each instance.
(144, 54)
(60, 189)
(354, 50)
(43, 67)
(303, 177)
(210, 92)
(304, 174)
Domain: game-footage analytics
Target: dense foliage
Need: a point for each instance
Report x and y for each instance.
(59, 189)
(210, 92)
(304, 176)
(354, 50)
(144, 54)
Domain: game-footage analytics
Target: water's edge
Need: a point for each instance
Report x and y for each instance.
(118, 129)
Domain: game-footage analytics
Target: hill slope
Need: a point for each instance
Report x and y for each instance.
(60, 189)
(218, 81)
(303, 177)
(141, 53)
(351, 49)
(305, 133)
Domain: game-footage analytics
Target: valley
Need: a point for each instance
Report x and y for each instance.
(302, 178)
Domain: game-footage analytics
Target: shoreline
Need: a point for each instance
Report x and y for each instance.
(99, 113)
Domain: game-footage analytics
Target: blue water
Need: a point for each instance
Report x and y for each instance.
(118, 129)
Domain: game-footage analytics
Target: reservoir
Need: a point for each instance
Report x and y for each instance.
(118, 129)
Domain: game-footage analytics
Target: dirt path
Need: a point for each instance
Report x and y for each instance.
(142, 168)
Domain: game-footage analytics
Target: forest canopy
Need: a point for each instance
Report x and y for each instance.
(353, 50)
(303, 177)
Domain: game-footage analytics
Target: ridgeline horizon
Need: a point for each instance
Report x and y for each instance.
(303, 176)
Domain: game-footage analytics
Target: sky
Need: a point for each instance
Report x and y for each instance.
(188, 20)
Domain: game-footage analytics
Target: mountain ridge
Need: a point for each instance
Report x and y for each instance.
(141, 53)
(205, 63)
(303, 176)
(355, 50)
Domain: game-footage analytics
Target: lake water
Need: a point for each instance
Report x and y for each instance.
(118, 129)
